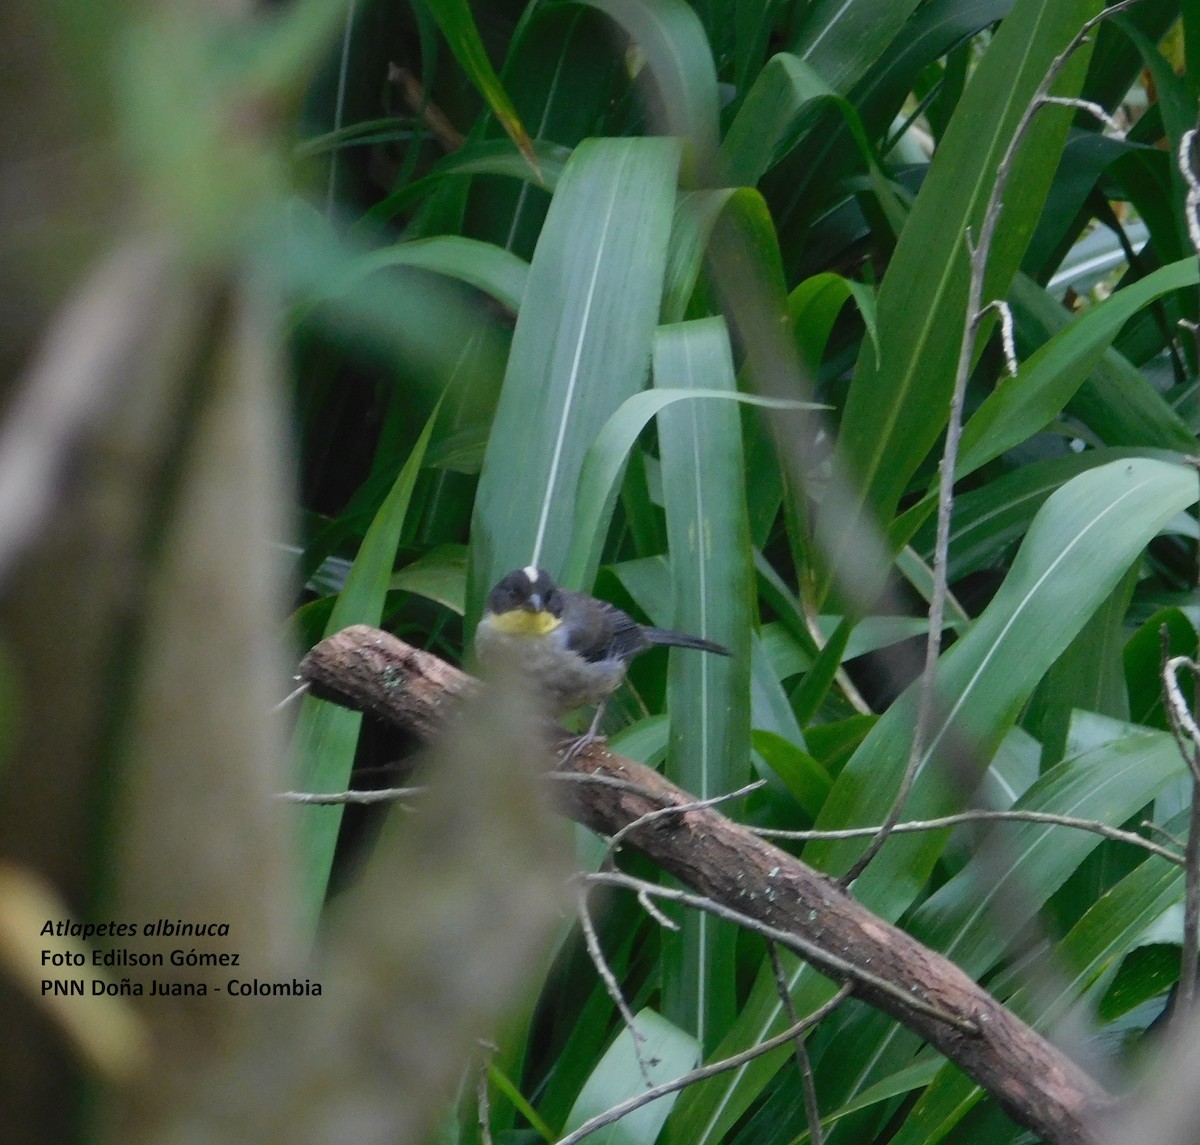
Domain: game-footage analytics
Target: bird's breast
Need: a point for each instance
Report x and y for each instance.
(563, 678)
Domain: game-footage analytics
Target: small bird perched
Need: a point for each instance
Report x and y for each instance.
(575, 648)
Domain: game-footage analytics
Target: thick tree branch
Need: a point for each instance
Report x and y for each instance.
(1037, 1085)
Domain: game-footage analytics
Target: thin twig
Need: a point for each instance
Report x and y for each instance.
(483, 1098)
(981, 816)
(826, 962)
(647, 904)
(1092, 108)
(1179, 716)
(291, 697)
(600, 781)
(1150, 825)
(674, 809)
(596, 954)
(704, 1072)
(329, 798)
(1187, 738)
(1192, 211)
(1007, 340)
(979, 253)
(812, 1110)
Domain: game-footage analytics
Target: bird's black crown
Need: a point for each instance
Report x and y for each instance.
(529, 588)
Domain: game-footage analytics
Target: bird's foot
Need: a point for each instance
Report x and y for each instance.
(589, 737)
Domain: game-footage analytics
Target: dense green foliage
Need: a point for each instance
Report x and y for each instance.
(545, 240)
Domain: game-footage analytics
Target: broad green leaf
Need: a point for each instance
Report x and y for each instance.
(671, 38)
(486, 267)
(1116, 62)
(696, 217)
(599, 479)
(935, 29)
(708, 536)
(785, 95)
(326, 735)
(1147, 972)
(976, 915)
(439, 575)
(815, 305)
(1143, 656)
(1088, 675)
(1081, 543)
(458, 26)
(1021, 406)
(566, 75)
(903, 1081)
(592, 1028)
(897, 404)
(810, 695)
(666, 1052)
(1116, 402)
(490, 157)
(645, 741)
(581, 347)
(707, 1111)
(752, 28)
(806, 780)
(988, 520)
(840, 39)
(770, 709)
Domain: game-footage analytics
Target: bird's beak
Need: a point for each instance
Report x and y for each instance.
(534, 603)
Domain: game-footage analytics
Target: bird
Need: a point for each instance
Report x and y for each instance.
(574, 647)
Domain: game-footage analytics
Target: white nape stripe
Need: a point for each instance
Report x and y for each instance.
(531, 573)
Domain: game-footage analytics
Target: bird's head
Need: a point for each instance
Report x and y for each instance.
(525, 602)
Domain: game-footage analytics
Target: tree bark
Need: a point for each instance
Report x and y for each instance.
(1038, 1086)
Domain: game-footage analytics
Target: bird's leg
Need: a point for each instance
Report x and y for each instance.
(589, 737)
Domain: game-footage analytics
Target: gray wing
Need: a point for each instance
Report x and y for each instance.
(610, 633)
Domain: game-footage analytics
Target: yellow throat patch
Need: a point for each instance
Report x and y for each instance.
(520, 622)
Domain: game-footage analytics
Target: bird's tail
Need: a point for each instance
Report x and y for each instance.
(683, 640)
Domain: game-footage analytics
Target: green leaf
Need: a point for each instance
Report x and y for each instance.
(671, 38)
(458, 26)
(1094, 945)
(1143, 657)
(975, 917)
(785, 96)
(808, 698)
(840, 39)
(898, 401)
(1081, 543)
(440, 575)
(667, 1053)
(326, 735)
(1109, 784)
(708, 535)
(486, 267)
(581, 347)
(1088, 675)
(988, 520)
(600, 477)
(1021, 406)
(769, 705)
(489, 157)
(815, 305)
(804, 777)
(1116, 402)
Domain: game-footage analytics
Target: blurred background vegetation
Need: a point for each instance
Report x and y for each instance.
(316, 314)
